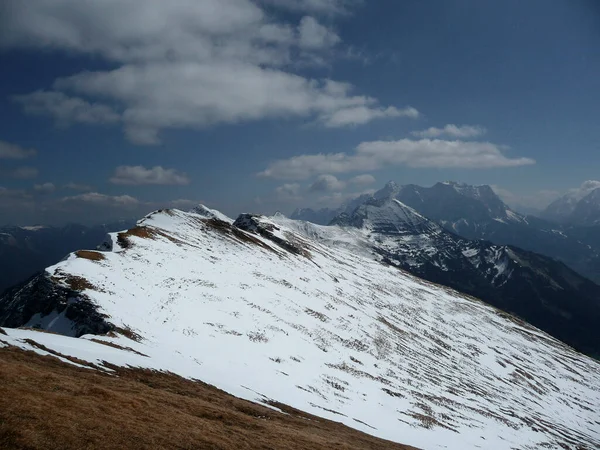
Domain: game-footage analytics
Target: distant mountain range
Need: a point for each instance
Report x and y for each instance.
(476, 212)
(579, 207)
(27, 250)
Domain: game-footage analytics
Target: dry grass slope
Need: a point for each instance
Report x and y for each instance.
(45, 403)
(91, 255)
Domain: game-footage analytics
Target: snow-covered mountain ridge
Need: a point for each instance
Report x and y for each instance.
(264, 311)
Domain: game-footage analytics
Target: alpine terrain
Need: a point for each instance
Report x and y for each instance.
(476, 212)
(27, 250)
(325, 320)
(577, 207)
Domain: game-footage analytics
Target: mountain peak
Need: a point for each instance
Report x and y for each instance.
(391, 189)
(387, 215)
(209, 213)
(561, 209)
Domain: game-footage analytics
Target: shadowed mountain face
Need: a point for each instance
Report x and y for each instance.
(580, 207)
(476, 212)
(538, 289)
(27, 250)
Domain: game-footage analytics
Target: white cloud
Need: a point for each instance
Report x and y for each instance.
(78, 187)
(64, 109)
(526, 202)
(360, 115)
(313, 35)
(362, 180)
(192, 95)
(586, 188)
(423, 153)
(102, 199)
(44, 188)
(335, 199)
(327, 183)
(451, 130)
(13, 151)
(185, 64)
(288, 192)
(139, 175)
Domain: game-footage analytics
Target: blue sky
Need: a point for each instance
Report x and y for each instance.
(111, 109)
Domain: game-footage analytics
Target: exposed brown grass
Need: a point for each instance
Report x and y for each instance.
(78, 283)
(93, 256)
(45, 403)
(234, 232)
(127, 332)
(142, 232)
(113, 345)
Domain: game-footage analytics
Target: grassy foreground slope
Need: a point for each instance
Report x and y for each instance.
(46, 403)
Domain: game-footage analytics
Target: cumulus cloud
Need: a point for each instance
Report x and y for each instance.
(64, 109)
(288, 192)
(102, 199)
(362, 180)
(360, 115)
(191, 95)
(335, 199)
(313, 35)
(423, 153)
(44, 188)
(327, 183)
(218, 61)
(586, 188)
(139, 175)
(13, 151)
(451, 130)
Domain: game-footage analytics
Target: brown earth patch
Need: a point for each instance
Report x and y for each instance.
(87, 254)
(127, 332)
(234, 232)
(45, 403)
(143, 232)
(78, 283)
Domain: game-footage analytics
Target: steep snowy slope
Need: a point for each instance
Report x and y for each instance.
(266, 313)
(541, 290)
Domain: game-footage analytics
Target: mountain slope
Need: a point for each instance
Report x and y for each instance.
(587, 210)
(542, 291)
(562, 208)
(266, 313)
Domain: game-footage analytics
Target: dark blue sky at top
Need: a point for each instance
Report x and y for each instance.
(527, 71)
